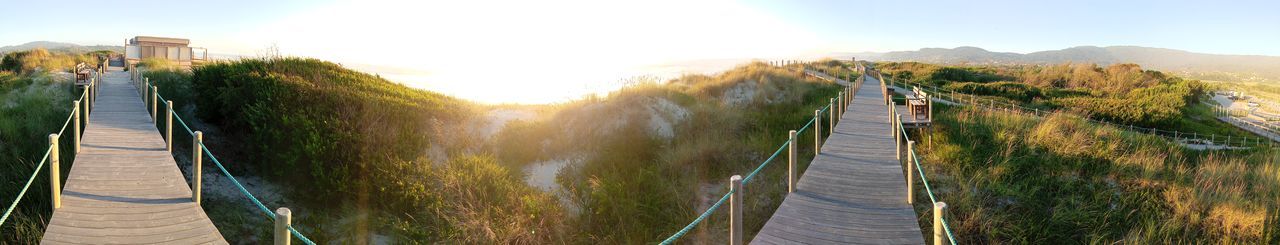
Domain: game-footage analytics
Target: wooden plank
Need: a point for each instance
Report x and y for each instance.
(855, 191)
(124, 187)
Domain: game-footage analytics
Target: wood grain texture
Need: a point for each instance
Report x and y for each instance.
(124, 188)
(852, 193)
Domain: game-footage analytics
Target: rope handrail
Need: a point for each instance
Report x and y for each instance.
(1176, 135)
(205, 149)
(745, 180)
(39, 166)
(698, 220)
(925, 180)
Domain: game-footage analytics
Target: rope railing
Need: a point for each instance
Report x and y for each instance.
(1175, 136)
(924, 180)
(288, 228)
(813, 122)
(48, 152)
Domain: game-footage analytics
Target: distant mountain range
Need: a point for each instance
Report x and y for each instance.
(59, 46)
(1236, 68)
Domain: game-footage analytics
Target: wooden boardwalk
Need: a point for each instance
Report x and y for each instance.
(854, 192)
(124, 187)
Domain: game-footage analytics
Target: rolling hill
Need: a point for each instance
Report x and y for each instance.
(1239, 68)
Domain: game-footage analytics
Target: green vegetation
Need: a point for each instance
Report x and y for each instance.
(1010, 178)
(42, 60)
(638, 184)
(1122, 93)
(31, 107)
(357, 144)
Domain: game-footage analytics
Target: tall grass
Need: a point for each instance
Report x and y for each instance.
(32, 106)
(1010, 178)
(637, 185)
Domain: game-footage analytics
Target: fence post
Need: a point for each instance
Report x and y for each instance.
(168, 125)
(283, 220)
(155, 99)
(791, 161)
(831, 121)
(735, 210)
(937, 222)
(88, 95)
(911, 145)
(197, 165)
(55, 174)
(897, 137)
(817, 132)
(75, 116)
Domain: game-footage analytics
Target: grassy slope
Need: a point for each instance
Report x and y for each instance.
(638, 187)
(1017, 179)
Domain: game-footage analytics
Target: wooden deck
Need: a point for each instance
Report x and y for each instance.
(852, 193)
(124, 188)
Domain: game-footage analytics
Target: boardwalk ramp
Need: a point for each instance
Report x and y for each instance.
(853, 192)
(124, 187)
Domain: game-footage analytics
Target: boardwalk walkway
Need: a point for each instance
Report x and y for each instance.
(854, 192)
(124, 187)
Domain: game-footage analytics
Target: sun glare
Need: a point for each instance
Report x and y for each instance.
(532, 51)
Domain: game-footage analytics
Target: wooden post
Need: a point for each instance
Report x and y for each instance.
(938, 234)
(735, 210)
(831, 113)
(86, 110)
(897, 137)
(168, 125)
(817, 132)
(75, 116)
(88, 90)
(283, 220)
(55, 174)
(791, 161)
(155, 102)
(911, 144)
(196, 176)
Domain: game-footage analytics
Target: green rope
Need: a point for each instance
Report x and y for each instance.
(766, 162)
(25, 187)
(700, 218)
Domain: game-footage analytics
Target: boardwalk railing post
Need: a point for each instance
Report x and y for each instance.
(197, 166)
(55, 174)
(735, 210)
(75, 116)
(283, 220)
(168, 125)
(911, 145)
(831, 122)
(155, 102)
(937, 222)
(897, 137)
(791, 161)
(817, 132)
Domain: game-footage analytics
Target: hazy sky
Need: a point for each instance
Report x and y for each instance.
(551, 50)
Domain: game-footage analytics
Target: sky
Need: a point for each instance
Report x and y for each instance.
(556, 50)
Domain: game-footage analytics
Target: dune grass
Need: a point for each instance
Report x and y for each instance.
(1010, 178)
(32, 106)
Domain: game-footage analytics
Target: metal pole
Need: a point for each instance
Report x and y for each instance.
(197, 175)
(55, 174)
(735, 210)
(283, 221)
(791, 161)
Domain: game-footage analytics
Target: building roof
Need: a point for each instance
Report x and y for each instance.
(161, 40)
